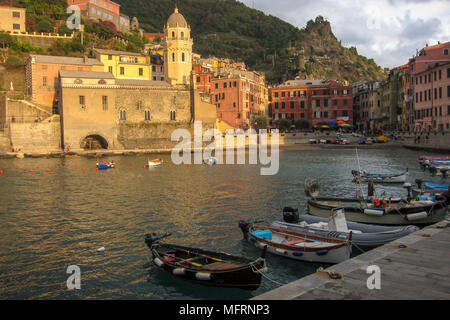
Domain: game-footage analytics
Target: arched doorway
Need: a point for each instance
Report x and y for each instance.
(94, 142)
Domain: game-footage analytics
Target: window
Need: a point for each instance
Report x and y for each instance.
(344, 113)
(292, 104)
(182, 35)
(276, 94)
(123, 115)
(141, 72)
(173, 34)
(448, 110)
(122, 70)
(302, 115)
(224, 84)
(234, 104)
(283, 105)
(198, 79)
(182, 56)
(105, 103)
(325, 103)
(446, 52)
(147, 115)
(110, 69)
(325, 114)
(16, 14)
(110, 57)
(44, 81)
(173, 115)
(276, 105)
(317, 103)
(16, 26)
(448, 91)
(440, 74)
(82, 103)
(335, 102)
(173, 56)
(345, 102)
(440, 93)
(302, 104)
(217, 86)
(448, 72)
(283, 94)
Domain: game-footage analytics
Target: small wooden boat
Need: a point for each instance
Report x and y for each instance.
(363, 235)
(363, 176)
(206, 267)
(211, 161)
(105, 166)
(298, 246)
(424, 160)
(155, 162)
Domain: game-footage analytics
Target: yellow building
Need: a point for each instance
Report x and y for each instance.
(125, 65)
(12, 19)
(177, 49)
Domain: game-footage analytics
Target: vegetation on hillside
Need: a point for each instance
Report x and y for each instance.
(229, 29)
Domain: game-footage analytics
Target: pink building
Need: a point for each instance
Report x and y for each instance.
(430, 80)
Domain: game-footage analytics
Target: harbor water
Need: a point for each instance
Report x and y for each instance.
(52, 219)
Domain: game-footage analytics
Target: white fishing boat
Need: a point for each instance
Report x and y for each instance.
(155, 162)
(364, 176)
(297, 246)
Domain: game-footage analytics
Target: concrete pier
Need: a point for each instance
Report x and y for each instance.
(414, 267)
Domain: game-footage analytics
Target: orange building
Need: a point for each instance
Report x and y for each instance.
(42, 76)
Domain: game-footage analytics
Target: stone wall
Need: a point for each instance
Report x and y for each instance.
(37, 137)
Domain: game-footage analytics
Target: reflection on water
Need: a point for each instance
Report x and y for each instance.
(51, 220)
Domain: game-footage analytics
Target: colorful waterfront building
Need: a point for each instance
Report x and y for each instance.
(42, 76)
(125, 65)
(12, 19)
(316, 101)
(103, 10)
(430, 84)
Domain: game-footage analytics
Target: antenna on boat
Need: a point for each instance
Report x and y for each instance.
(360, 173)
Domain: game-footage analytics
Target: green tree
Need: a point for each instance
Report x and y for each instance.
(284, 124)
(5, 40)
(302, 124)
(45, 25)
(261, 122)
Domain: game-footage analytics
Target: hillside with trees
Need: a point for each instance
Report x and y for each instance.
(229, 29)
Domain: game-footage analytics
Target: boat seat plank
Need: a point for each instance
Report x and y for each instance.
(222, 265)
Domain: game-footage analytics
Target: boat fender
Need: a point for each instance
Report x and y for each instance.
(203, 276)
(179, 271)
(417, 216)
(297, 253)
(322, 252)
(372, 212)
(158, 262)
(281, 251)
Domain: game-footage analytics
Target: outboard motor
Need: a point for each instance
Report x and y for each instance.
(152, 238)
(290, 215)
(245, 227)
(419, 183)
(408, 187)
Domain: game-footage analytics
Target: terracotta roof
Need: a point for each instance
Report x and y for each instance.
(437, 46)
(65, 60)
(176, 19)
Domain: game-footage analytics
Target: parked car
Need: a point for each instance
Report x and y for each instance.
(323, 141)
(362, 141)
(313, 141)
(382, 139)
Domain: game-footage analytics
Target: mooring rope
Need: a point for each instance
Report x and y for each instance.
(255, 270)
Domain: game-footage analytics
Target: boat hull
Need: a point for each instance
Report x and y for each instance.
(435, 213)
(247, 276)
(371, 236)
(382, 178)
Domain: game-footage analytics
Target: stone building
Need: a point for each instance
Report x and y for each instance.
(42, 74)
(12, 19)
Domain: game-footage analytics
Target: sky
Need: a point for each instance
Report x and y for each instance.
(389, 31)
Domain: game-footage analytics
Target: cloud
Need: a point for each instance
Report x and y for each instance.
(389, 31)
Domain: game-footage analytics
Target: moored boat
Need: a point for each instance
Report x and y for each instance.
(384, 212)
(206, 267)
(363, 176)
(363, 235)
(155, 162)
(298, 246)
(105, 166)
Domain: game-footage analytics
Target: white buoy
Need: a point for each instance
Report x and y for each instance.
(101, 249)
